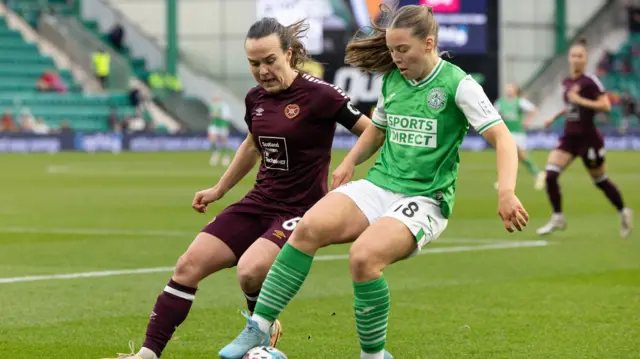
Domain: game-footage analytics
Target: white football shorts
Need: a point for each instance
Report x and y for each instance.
(420, 214)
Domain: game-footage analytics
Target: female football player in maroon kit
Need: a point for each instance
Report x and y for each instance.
(291, 118)
(584, 96)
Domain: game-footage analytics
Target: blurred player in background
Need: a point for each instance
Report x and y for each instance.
(220, 114)
(584, 96)
(291, 118)
(518, 114)
(424, 112)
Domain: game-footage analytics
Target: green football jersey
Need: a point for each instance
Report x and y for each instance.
(218, 115)
(513, 111)
(425, 123)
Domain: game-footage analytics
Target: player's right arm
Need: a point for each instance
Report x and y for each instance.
(550, 121)
(243, 162)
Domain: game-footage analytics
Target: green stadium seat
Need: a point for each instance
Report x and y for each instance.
(21, 64)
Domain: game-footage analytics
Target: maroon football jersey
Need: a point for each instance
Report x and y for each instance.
(294, 131)
(579, 120)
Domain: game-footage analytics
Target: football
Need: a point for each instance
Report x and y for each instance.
(264, 353)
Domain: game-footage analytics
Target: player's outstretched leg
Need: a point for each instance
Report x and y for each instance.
(252, 270)
(334, 219)
(206, 255)
(611, 191)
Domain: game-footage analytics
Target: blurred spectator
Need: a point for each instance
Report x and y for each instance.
(26, 120)
(65, 127)
(113, 121)
(116, 36)
(134, 97)
(40, 127)
(50, 81)
(7, 124)
(172, 83)
(629, 113)
(102, 66)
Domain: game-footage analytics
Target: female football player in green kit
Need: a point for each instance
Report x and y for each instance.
(517, 113)
(425, 109)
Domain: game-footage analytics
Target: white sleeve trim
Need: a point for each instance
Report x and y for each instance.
(596, 81)
(476, 106)
(379, 117)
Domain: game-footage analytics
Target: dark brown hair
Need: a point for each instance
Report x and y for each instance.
(290, 37)
(370, 52)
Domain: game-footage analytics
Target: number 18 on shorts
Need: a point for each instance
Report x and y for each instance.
(421, 215)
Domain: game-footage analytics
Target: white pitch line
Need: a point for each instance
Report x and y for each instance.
(123, 172)
(96, 232)
(331, 257)
(161, 233)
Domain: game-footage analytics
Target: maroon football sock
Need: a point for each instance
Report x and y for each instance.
(171, 309)
(553, 191)
(611, 191)
(252, 299)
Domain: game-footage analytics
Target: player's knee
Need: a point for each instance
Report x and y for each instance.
(363, 264)
(310, 232)
(252, 274)
(188, 271)
(552, 174)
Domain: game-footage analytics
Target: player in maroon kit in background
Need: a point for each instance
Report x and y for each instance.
(584, 96)
(291, 118)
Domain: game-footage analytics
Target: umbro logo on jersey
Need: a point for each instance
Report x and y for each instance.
(259, 111)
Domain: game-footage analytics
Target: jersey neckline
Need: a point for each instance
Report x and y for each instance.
(432, 75)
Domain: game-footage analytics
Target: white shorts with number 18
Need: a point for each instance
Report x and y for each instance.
(420, 214)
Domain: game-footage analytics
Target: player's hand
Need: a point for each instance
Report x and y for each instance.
(548, 122)
(203, 198)
(512, 212)
(342, 174)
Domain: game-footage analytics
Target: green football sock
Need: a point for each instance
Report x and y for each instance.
(283, 282)
(371, 304)
(531, 167)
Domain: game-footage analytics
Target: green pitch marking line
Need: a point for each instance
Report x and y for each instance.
(111, 273)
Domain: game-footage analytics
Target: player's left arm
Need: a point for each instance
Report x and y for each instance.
(530, 112)
(473, 102)
(595, 88)
(601, 104)
(352, 119)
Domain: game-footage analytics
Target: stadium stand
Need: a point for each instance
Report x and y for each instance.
(23, 67)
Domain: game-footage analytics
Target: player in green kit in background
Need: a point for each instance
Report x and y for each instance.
(425, 109)
(518, 114)
(219, 114)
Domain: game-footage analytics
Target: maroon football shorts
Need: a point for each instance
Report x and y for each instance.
(588, 147)
(242, 223)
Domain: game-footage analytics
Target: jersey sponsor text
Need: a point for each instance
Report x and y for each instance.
(413, 131)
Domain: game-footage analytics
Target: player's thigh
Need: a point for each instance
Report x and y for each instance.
(207, 254)
(334, 219)
(254, 264)
(560, 158)
(384, 242)
(593, 158)
(409, 224)
(237, 230)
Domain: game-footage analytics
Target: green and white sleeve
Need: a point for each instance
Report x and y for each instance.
(476, 106)
(379, 117)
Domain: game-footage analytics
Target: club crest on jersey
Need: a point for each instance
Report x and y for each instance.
(436, 98)
(292, 110)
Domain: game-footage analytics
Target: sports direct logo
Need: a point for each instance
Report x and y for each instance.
(442, 5)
